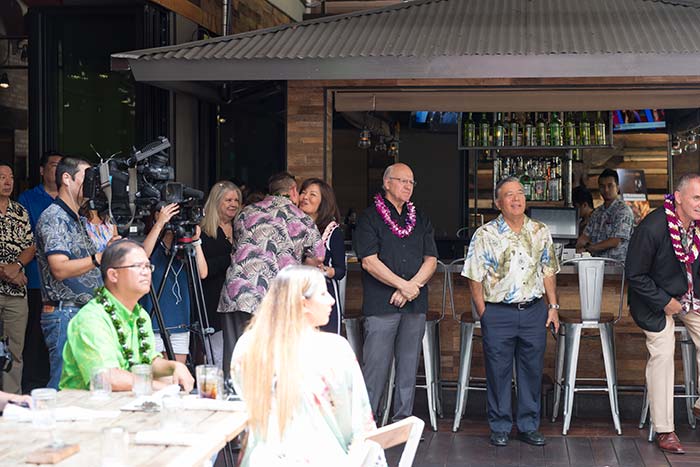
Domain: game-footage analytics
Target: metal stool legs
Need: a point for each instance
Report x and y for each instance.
(607, 342)
(465, 363)
(353, 330)
(389, 393)
(430, 352)
(572, 343)
(560, 354)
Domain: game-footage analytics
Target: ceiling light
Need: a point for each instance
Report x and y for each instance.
(4, 81)
(365, 141)
(676, 149)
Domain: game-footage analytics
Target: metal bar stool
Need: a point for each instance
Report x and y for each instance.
(591, 272)
(689, 378)
(431, 361)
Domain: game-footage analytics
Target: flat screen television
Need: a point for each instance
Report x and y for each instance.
(562, 222)
(638, 120)
(434, 121)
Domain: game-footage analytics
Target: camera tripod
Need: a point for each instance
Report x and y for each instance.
(200, 327)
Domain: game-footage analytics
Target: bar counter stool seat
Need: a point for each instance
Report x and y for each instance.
(689, 378)
(591, 272)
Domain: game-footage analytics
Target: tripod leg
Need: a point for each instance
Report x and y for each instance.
(164, 333)
(194, 284)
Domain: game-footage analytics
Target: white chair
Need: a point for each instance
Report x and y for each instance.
(591, 272)
(407, 431)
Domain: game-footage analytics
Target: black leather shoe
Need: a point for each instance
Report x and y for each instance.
(532, 437)
(499, 438)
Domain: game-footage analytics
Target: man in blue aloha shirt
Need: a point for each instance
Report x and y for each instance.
(68, 261)
(609, 229)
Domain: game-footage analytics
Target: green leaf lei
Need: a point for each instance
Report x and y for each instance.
(128, 353)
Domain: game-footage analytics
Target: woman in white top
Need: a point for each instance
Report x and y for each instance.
(303, 389)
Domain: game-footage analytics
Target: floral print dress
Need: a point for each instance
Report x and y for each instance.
(334, 410)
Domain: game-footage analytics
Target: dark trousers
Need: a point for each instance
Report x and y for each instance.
(233, 324)
(510, 333)
(35, 372)
(397, 335)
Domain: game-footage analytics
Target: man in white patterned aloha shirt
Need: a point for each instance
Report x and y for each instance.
(510, 265)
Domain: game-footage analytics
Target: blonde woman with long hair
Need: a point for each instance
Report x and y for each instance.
(303, 388)
(222, 206)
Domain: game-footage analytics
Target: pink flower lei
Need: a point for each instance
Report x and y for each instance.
(383, 210)
(674, 230)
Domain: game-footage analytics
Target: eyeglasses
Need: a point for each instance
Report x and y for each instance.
(404, 181)
(142, 266)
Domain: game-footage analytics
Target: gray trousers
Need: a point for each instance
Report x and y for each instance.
(397, 335)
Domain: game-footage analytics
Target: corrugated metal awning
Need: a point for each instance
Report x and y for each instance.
(448, 39)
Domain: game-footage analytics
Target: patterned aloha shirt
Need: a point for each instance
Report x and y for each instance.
(615, 221)
(60, 231)
(15, 237)
(92, 342)
(269, 235)
(511, 266)
(333, 411)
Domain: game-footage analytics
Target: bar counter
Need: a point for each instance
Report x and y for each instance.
(631, 353)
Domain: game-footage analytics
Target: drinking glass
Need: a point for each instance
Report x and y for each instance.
(100, 385)
(209, 381)
(115, 447)
(44, 413)
(143, 379)
(171, 413)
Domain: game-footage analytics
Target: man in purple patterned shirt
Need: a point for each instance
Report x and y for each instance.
(268, 235)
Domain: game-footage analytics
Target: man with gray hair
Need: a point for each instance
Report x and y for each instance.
(662, 271)
(396, 246)
(113, 331)
(510, 265)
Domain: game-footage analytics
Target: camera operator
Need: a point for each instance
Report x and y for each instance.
(175, 300)
(93, 337)
(68, 261)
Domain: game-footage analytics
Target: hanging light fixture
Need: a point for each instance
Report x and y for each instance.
(4, 81)
(381, 145)
(676, 149)
(692, 142)
(365, 141)
(393, 150)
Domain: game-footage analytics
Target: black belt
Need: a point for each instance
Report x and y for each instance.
(523, 305)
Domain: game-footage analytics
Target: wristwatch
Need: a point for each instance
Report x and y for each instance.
(553, 306)
(21, 266)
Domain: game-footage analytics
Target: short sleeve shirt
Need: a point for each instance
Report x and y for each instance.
(92, 342)
(15, 236)
(403, 256)
(269, 235)
(35, 201)
(511, 266)
(60, 231)
(615, 221)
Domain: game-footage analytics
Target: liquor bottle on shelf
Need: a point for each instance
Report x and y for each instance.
(498, 130)
(526, 182)
(484, 131)
(555, 133)
(584, 130)
(600, 133)
(554, 183)
(539, 184)
(469, 131)
(541, 131)
(569, 130)
(529, 132)
(514, 130)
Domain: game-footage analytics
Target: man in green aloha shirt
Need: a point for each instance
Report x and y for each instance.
(113, 331)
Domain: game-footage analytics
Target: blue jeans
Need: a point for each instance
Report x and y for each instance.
(55, 328)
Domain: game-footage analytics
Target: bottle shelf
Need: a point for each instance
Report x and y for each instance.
(530, 148)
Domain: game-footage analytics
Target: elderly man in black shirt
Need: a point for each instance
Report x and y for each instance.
(395, 244)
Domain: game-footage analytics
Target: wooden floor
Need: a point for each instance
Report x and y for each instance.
(589, 443)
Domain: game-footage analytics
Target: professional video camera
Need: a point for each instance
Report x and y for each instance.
(128, 189)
